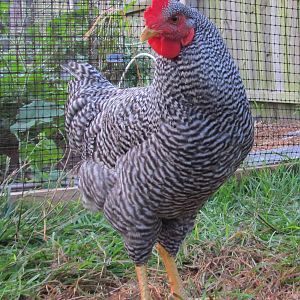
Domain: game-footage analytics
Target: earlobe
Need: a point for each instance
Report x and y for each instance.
(189, 38)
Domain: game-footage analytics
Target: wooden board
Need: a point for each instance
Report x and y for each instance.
(73, 194)
(61, 194)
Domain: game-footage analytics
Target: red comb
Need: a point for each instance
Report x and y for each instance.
(153, 11)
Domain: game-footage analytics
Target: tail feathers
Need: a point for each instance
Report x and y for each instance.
(95, 183)
(86, 74)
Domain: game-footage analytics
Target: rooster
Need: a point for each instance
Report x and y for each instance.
(152, 156)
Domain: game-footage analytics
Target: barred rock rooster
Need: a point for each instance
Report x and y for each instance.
(152, 156)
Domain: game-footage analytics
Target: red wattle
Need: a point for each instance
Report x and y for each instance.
(170, 48)
(165, 47)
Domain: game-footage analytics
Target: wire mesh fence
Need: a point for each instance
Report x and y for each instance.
(37, 36)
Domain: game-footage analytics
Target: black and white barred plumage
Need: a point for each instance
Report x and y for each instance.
(152, 156)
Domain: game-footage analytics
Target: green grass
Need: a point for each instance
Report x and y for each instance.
(249, 230)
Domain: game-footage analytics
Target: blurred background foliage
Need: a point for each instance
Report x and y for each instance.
(35, 40)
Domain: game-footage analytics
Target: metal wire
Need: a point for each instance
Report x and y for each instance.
(37, 36)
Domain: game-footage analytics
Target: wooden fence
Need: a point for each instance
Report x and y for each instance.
(264, 37)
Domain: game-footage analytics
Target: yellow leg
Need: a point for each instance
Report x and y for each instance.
(141, 273)
(176, 286)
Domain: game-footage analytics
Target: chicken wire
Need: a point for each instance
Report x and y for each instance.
(37, 36)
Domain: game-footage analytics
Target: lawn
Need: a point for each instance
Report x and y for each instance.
(246, 245)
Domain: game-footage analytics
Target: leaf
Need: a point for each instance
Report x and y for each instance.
(44, 153)
(27, 151)
(36, 113)
(22, 126)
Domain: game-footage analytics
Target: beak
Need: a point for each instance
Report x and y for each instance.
(148, 34)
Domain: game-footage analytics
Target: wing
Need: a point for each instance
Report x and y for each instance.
(124, 120)
(103, 123)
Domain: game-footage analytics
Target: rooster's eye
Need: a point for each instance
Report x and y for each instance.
(174, 19)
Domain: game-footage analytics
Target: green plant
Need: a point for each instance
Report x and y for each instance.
(33, 85)
(35, 127)
(32, 92)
